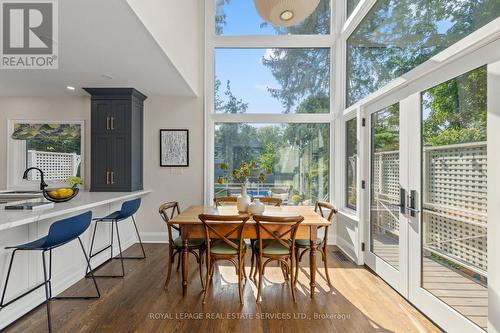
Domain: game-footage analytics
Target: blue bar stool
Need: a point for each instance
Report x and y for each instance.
(60, 233)
(128, 209)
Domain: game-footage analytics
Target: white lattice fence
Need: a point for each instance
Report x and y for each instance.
(455, 201)
(55, 166)
(385, 168)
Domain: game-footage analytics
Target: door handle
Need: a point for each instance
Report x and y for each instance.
(112, 177)
(107, 124)
(412, 207)
(402, 199)
(112, 123)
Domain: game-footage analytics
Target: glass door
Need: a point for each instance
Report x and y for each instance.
(387, 227)
(447, 205)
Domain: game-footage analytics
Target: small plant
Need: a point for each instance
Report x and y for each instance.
(296, 198)
(243, 173)
(74, 181)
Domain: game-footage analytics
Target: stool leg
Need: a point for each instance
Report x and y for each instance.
(7, 280)
(119, 247)
(92, 244)
(47, 297)
(87, 259)
(139, 237)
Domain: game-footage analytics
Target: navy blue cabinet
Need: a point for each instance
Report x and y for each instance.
(116, 139)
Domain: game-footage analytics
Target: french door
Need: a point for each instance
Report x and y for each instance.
(426, 198)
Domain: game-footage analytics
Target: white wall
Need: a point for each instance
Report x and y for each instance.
(184, 185)
(164, 19)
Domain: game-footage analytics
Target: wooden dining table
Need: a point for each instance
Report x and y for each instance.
(191, 227)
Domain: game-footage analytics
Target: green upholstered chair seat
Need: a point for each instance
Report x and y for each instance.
(305, 242)
(191, 241)
(272, 247)
(221, 248)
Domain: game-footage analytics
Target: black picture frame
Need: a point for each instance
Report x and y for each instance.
(169, 161)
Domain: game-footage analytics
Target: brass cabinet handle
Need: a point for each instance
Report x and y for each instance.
(112, 177)
(112, 123)
(107, 177)
(107, 123)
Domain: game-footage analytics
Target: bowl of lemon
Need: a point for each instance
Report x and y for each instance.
(63, 194)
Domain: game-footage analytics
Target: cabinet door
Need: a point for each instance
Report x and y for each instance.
(101, 161)
(120, 162)
(101, 116)
(121, 117)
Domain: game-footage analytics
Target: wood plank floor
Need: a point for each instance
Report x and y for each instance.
(463, 293)
(358, 302)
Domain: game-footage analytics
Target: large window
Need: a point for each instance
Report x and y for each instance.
(351, 5)
(396, 36)
(239, 17)
(351, 144)
(272, 80)
(269, 104)
(295, 158)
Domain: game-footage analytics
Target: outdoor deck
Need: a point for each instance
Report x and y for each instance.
(463, 293)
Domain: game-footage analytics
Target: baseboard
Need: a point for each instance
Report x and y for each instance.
(61, 281)
(347, 249)
(154, 237)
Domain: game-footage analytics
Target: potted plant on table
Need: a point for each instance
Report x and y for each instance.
(243, 174)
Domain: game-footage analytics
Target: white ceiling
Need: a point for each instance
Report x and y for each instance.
(99, 37)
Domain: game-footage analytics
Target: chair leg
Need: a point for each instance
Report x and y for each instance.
(259, 289)
(240, 277)
(292, 277)
(92, 243)
(253, 257)
(170, 259)
(296, 268)
(7, 280)
(47, 297)
(325, 263)
(178, 262)
(120, 247)
(200, 267)
(139, 237)
(210, 264)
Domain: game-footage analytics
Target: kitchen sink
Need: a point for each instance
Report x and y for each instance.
(19, 195)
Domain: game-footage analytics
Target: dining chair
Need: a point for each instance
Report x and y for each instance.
(266, 201)
(224, 242)
(303, 245)
(225, 200)
(270, 201)
(167, 211)
(279, 244)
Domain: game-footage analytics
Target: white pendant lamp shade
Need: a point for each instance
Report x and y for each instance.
(285, 13)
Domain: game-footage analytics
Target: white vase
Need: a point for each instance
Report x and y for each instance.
(243, 200)
(256, 207)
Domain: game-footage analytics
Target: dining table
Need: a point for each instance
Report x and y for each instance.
(191, 227)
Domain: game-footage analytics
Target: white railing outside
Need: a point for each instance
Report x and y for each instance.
(55, 166)
(454, 208)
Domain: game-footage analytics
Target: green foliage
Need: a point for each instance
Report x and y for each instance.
(74, 181)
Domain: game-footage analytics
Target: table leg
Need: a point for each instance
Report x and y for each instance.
(312, 259)
(185, 261)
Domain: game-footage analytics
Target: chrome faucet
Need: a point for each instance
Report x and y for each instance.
(43, 185)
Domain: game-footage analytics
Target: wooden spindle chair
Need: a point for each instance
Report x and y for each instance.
(303, 245)
(224, 242)
(224, 201)
(279, 245)
(168, 211)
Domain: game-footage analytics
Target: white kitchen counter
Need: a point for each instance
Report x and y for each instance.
(22, 226)
(83, 201)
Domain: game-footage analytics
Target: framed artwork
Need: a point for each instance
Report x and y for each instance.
(174, 147)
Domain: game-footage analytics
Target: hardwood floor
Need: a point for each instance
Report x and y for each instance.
(358, 302)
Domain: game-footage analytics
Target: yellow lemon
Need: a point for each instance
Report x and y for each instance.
(54, 194)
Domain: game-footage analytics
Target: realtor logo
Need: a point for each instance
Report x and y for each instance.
(29, 34)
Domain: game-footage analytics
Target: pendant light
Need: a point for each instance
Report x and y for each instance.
(285, 13)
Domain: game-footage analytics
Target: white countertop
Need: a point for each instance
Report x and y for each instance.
(83, 201)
